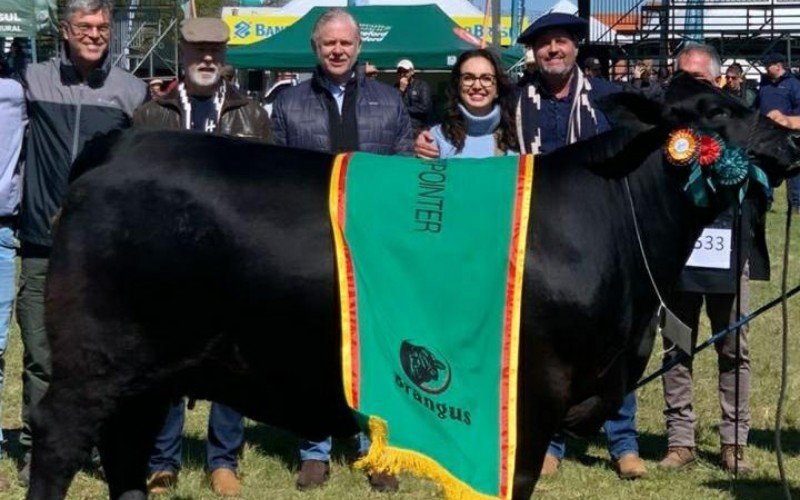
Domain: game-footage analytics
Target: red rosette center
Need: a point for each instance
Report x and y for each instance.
(710, 150)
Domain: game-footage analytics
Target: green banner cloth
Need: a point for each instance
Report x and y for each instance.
(17, 18)
(430, 257)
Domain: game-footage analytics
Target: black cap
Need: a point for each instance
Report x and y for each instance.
(575, 25)
(592, 63)
(773, 58)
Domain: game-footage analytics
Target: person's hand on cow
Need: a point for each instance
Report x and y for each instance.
(792, 122)
(425, 146)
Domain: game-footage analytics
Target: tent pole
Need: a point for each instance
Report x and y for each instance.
(517, 12)
(487, 8)
(497, 34)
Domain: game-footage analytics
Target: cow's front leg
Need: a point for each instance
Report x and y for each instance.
(126, 442)
(64, 426)
(543, 396)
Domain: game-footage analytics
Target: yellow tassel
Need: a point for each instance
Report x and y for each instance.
(383, 458)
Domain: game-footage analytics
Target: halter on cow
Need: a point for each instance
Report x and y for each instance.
(199, 262)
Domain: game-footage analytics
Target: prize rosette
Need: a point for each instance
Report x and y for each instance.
(682, 147)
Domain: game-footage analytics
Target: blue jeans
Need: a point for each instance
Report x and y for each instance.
(225, 437)
(793, 190)
(321, 450)
(8, 289)
(620, 432)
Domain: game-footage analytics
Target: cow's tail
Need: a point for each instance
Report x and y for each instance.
(95, 153)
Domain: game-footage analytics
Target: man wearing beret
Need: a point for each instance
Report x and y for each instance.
(779, 99)
(204, 102)
(556, 107)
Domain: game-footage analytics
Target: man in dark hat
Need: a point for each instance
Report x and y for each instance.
(206, 102)
(779, 99)
(557, 106)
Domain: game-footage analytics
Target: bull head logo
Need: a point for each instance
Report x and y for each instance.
(422, 366)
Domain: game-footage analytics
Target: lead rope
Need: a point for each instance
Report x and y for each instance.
(662, 305)
(784, 355)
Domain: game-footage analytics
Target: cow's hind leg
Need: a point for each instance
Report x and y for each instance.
(542, 404)
(126, 442)
(65, 426)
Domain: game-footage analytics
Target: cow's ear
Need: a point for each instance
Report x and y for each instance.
(632, 111)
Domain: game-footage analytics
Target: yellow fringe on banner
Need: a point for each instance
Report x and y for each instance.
(384, 458)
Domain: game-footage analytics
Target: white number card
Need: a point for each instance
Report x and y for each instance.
(712, 249)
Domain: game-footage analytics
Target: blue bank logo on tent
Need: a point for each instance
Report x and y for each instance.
(242, 29)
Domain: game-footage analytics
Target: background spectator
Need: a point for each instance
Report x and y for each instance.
(416, 95)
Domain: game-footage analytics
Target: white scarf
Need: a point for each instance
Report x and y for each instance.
(210, 125)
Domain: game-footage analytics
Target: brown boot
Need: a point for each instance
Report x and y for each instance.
(5, 484)
(630, 466)
(161, 481)
(550, 465)
(383, 482)
(313, 474)
(729, 459)
(678, 457)
(225, 483)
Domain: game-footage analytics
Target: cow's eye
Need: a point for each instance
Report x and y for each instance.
(718, 113)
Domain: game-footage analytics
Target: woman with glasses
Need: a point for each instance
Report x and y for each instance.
(479, 116)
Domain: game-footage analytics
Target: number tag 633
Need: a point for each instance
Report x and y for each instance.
(712, 249)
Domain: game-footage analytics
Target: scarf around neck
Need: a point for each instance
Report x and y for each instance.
(582, 118)
(481, 125)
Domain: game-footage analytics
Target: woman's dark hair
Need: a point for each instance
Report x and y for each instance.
(454, 126)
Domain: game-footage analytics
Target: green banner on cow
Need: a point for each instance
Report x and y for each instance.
(430, 257)
(17, 18)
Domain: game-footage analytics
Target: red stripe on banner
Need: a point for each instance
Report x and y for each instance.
(351, 288)
(508, 326)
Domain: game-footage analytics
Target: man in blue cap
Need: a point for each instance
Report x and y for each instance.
(779, 99)
(556, 107)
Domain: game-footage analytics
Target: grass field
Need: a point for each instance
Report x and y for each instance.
(269, 459)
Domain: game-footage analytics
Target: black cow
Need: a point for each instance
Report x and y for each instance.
(203, 266)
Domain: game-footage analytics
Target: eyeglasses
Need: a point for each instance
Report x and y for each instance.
(84, 29)
(486, 80)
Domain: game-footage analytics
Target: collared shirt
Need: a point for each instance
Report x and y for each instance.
(554, 124)
(337, 91)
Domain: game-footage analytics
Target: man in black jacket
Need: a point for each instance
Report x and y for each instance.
(70, 100)
(339, 110)
(416, 95)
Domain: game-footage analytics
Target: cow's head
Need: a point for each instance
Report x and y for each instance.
(699, 106)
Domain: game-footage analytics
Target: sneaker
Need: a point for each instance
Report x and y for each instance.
(225, 483)
(313, 474)
(550, 465)
(161, 481)
(678, 457)
(729, 459)
(630, 466)
(383, 482)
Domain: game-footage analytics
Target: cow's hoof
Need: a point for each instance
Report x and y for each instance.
(383, 482)
(133, 495)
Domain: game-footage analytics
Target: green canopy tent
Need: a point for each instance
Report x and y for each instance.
(17, 18)
(423, 33)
